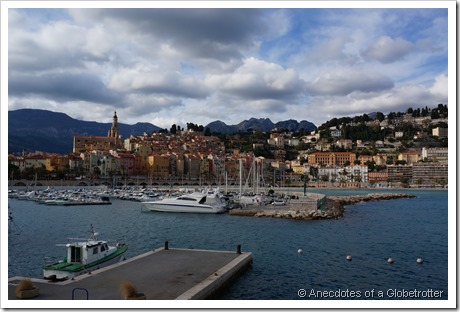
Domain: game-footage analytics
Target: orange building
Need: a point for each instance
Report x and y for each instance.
(158, 165)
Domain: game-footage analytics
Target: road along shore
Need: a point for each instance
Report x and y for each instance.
(330, 207)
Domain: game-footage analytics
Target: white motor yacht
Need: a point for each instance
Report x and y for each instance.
(194, 202)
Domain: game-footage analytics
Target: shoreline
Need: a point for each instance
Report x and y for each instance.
(365, 188)
(231, 188)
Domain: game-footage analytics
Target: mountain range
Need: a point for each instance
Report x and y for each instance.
(260, 124)
(42, 130)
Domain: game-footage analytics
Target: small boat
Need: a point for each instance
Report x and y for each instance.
(84, 256)
(194, 202)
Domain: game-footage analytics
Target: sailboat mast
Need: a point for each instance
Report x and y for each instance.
(241, 177)
(254, 175)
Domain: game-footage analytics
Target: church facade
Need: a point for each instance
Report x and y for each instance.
(113, 140)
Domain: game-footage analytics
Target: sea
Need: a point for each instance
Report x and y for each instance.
(293, 259)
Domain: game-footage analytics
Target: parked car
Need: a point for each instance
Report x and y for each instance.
(278, 203)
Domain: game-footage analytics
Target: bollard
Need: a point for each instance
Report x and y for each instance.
(166, 245)
(238, 249)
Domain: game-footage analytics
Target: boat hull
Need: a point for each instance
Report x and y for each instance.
(52, 272)
(161, 207)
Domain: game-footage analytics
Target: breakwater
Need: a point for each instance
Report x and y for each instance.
(329, 207)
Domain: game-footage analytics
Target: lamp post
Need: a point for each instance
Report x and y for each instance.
(304, 184)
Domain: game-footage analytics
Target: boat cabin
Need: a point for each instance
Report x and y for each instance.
(85, 253)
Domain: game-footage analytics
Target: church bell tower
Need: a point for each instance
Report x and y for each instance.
(113, 132)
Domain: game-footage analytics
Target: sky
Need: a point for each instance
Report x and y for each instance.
(176, 66)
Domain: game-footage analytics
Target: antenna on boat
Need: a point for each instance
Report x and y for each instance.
(93, 233)
(11, 221)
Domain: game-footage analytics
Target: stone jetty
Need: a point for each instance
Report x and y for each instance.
(329, 207)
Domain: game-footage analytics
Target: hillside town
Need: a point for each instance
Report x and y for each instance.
(395, 150)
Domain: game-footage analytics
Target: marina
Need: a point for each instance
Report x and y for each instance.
(403, 229)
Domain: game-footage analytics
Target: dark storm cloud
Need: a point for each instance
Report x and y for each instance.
(63, 87)
(203, 33)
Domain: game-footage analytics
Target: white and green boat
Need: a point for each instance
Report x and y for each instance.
(84, 256)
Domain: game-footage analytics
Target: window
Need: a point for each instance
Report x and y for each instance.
(186, 198)
(95, 250)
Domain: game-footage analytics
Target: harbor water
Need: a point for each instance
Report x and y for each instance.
(293, 259)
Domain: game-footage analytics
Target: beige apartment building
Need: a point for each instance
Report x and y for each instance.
(331, 158)
(409, 157)
(158, 165)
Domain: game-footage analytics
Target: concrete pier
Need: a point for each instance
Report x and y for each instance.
(162, 274)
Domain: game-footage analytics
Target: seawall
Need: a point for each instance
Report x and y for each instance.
(329, 207)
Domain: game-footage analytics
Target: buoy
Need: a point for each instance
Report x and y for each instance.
(391, 260)
(349, 258)
(419, 260)
(299, 251)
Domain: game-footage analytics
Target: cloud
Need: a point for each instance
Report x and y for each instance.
(397, 99)
(388, 50)
(332, 50)
(200, 65)
(439, 88)
(344, 82)
(150, 79)
(257, 79)
(197, 33)
(63, 87)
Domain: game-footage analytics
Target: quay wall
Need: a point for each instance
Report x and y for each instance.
(309, 201)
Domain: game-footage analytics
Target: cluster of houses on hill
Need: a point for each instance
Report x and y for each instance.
(188, 155)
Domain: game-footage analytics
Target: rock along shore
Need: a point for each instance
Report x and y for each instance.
(332, 207)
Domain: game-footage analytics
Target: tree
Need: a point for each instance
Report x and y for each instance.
(97, 171)
(358, 178)
(380, 116)
(333, 177)
(13, 171)
(434, 114)
(364, 118)
(425, 111)
(173, 129)
(264, 152)
(370, 165)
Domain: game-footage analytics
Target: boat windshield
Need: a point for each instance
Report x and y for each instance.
(187, 198)
(203, 200)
